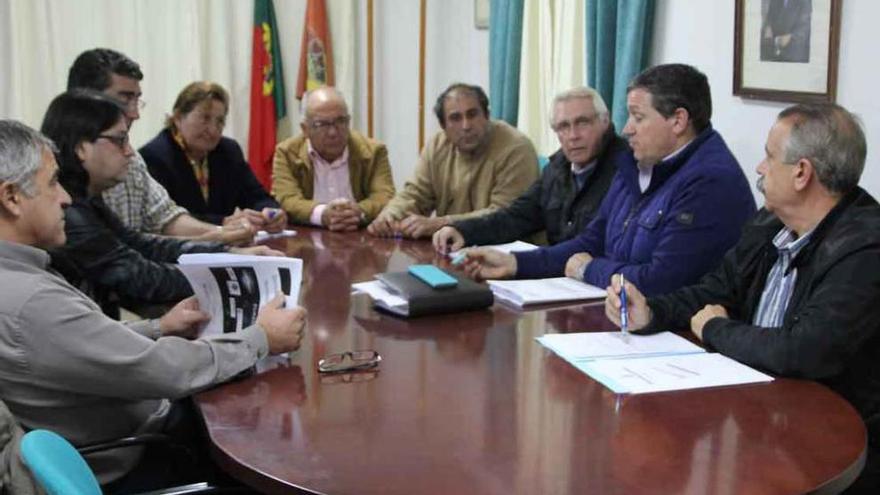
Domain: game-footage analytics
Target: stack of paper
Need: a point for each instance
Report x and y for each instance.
(383, 296)
(638, 364)
(510, 247)
(540, 291)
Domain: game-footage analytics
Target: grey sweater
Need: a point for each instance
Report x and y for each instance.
(66, 367)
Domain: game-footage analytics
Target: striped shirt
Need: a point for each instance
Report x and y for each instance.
(780, 280)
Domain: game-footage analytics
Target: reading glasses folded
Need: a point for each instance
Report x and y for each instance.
(348, 361)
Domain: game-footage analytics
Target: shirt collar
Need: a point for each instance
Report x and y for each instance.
(586, 168)
(787, 240)
(676, 152)
(23, 253)
(318, 159)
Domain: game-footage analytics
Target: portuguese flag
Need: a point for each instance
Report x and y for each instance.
(267, 92)
(316, 55)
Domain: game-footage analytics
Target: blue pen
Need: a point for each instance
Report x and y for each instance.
(272, 212)
(623, 313)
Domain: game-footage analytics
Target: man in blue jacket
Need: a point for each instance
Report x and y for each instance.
(668, 218)
(797, 296)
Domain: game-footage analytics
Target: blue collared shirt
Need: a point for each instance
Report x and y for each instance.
(780, 280)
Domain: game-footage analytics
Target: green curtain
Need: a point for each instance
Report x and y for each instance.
(505, 41)
(618, 39)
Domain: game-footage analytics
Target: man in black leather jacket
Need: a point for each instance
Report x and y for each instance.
(798, 295)
(570, 189)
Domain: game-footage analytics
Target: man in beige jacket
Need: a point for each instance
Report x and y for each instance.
(331, 176)
(473, 166)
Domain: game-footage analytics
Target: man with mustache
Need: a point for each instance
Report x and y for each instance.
(798, 294)
(567, 195)
(472, 167)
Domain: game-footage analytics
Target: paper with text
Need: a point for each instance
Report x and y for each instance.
(546, 290)
(588, 346)
(233, 287)
(648, 363)
(671, 372)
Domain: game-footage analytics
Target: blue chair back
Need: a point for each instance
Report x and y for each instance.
(56, 465)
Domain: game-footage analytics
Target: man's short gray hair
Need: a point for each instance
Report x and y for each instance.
(832, 139)
(581, 92)
(21, 154)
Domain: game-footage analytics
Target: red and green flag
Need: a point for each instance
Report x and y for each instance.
(267, 92)
(316, 54)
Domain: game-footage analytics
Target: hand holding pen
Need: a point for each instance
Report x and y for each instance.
(625, 305)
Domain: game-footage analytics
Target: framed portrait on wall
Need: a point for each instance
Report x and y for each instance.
(786, 50)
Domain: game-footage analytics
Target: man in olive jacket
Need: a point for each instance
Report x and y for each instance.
(331, 176)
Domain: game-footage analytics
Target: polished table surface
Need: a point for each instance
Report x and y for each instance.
(470, 403)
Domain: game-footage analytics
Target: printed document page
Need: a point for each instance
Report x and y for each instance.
(510, 247)
(546, 290)
(672, 372)
(588, 346)
(233, 287)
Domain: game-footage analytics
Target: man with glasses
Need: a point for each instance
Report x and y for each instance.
(566, 196)
(139, 201)
(670, 213)
(331, 176)
(472, 167)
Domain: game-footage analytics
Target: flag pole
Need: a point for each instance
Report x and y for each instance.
(370, 68)
(421, 74)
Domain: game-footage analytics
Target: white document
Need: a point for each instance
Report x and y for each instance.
(547, 290)
(510, 247)
(383, 296)
(590, 346)
(233, 287)
(638, 364)
(262, 235)
(674, 372)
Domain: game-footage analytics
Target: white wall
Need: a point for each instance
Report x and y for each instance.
(179, 41)
(701, 34)
(455, 51)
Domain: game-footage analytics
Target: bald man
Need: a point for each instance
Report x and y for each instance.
(331, 176)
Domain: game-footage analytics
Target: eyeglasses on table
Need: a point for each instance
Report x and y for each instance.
(349, 361)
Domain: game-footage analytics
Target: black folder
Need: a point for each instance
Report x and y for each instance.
(422, 299)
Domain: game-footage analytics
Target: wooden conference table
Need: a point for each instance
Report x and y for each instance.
(470, 403)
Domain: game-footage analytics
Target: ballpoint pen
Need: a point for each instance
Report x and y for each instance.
(623, 311)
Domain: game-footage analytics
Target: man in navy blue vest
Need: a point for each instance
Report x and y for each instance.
(669, 216)
(798, 294)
